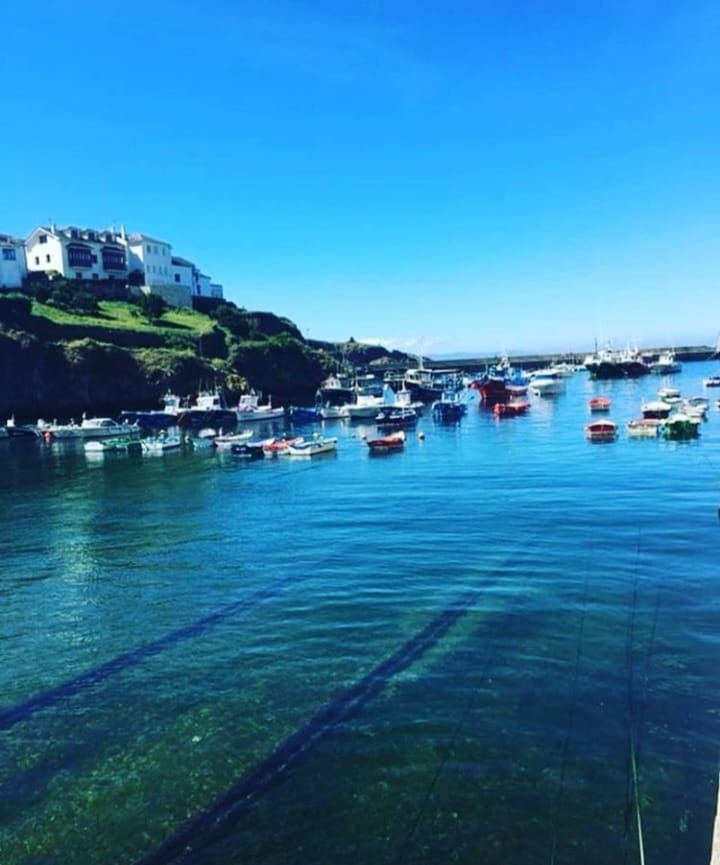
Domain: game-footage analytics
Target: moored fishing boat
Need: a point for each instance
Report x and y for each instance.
(88, 428)
(250, 409)
(547, 382)
(155, 419)
(128, 444)
(601, 431)
(384, 444)
(161, 444)
(274, 446)
(227, 440)
(449, 408)
(207, 410)
(680, 427)
(643, 427)
(599, 403)
(655, 408)
(311, 447)
(511, 409)
(395, 417)
(666, 363)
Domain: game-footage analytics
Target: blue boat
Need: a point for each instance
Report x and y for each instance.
(449, 408)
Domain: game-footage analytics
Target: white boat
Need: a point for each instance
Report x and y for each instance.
(88, 428)
(249, 409)
(695, 406)
(332, 412)
(712, 381)
(666, 363)
(161, 444)
(226, 441)
(365, 407)
(655, 408)
(669, 394)
(644, 427)
(129, 444)
(311, 447)
(547, 381)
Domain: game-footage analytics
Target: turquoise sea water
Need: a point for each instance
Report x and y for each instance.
(456, 653)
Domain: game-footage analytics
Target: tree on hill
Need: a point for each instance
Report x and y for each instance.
(152, 306)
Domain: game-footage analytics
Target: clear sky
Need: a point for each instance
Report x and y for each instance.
(447, 176)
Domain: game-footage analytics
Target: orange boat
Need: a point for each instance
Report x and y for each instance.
(392, 442)
(510, 409)
(599, 403)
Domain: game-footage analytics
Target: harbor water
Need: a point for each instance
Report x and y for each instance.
(498, 645)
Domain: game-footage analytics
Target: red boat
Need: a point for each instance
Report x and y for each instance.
(601, 431)
(392, 442)
(599, 403)
(279, 445)
(510, 409)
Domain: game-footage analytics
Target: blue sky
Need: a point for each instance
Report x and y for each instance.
(451, 177)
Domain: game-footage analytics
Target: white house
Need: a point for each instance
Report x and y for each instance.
(12, 262)
(183, 273)
(76, 253)
(150, 255)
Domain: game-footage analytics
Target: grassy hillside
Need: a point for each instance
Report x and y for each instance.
(119, 315)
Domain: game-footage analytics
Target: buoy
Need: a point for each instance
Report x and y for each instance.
(421, 435)
(48, 436)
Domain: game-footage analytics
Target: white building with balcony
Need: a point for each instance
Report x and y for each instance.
(13, 268)
(76, 253)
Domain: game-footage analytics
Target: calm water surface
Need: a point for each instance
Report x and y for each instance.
(498, 646)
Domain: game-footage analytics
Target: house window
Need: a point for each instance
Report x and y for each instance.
(8, 253)
(93, 258)
(177, 277)
(78, 275)
(113, 259)
(95, 276)
(79, 255)
(37, 259)
(47, 258)
(42, 238)
(149, 248)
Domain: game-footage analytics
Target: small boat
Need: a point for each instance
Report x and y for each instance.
(248, 450)
(511, 409)
(161, 444)
(23, 431)
(275, 446)
(128, 444)
(546, 382)
(680, 427)
(384, 444)
(226, 441)
(396, 417)
(695, 406)
(311, 447)
(644, 427)
(712, 381)
(599, 403)
(669, 394)
(601, 431)
(655, 409)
